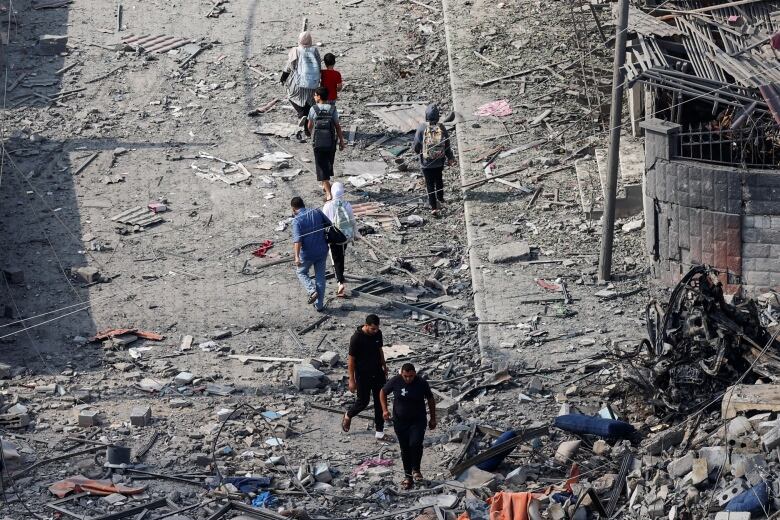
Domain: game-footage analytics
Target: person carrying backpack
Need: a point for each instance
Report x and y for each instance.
(432, 144)
(301, 75)
(325, 129)
(339, 211)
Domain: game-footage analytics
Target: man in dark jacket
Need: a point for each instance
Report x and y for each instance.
(432, 144)
(367, 372)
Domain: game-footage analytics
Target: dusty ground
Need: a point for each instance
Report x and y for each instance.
(183, 276)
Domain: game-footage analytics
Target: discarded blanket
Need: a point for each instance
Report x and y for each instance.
(82, 484)
(498, 108)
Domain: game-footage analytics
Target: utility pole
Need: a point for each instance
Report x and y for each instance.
(615, 121)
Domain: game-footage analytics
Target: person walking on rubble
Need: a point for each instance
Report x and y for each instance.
(324, 129)
(367, 373)
(301, 75)
(409, 395)
(339, 211)
(432, 144)
(310, 249)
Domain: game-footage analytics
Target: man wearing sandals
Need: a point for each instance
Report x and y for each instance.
(409, 395)
(367, 372)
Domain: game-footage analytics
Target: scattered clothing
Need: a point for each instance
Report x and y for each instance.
(261, 251)
(500, 108)
(82, 484)
(371, 463)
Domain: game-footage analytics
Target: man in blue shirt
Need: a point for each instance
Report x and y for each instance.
(310, 249)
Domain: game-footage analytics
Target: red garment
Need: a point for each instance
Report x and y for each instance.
(263, 249)
(330, 79)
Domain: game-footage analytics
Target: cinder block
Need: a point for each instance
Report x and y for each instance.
(753, 250)
(141, 416)
(88, 418)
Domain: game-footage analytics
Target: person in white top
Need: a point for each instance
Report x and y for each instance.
(340, 213)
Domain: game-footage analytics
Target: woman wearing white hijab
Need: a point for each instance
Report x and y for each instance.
(301, 76)
(340, 213)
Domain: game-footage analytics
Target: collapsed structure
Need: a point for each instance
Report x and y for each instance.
(712, 109)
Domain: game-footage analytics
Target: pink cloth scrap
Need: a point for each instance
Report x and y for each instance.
(498, 108)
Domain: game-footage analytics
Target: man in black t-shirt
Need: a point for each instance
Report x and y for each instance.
(409, 395)
(367, 372)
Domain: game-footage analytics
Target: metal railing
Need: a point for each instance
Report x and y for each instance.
(748, 147)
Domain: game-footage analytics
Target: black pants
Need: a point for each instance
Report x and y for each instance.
(302, 111)
(434, 185)
(323, 164)
(337, 255)
(410, 438)
(368, 386)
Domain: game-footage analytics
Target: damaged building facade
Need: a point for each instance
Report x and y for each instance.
(712, 143)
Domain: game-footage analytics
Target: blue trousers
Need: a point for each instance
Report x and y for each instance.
(319, 279)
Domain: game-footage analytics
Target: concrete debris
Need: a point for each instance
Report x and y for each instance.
(128, 160)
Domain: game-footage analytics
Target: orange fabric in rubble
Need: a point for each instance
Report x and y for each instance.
(507, 506)
(80, 484)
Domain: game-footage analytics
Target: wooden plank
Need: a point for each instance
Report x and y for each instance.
(245, 358)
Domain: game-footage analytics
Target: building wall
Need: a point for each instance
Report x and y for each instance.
(700, 213)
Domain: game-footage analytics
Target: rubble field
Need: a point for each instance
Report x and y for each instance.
(158, 356)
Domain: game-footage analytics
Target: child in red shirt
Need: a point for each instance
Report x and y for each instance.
(330, 78)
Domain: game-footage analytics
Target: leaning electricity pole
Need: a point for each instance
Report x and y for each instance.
(615, 121)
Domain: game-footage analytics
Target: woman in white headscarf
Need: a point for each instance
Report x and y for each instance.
(340, 213)
(301, 76)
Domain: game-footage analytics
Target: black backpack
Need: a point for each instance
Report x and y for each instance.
(323, 137)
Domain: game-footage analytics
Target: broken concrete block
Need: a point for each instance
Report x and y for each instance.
(600, 447)
(329, 358)
(186, 343)
(51, 44)
(771, 439)
(680, 466)
(183, 378)
(517, 475)
(149, 385)
(447, 500)
(115, 498)
(534, 386)
(728, 515)
(5, 371)
(224, 413)
(321, 472)
(664, 440)
(737, 427)
(86, 274)
(509, 252)
(179, 403)
(699, 472)
(306, 377)
(715, 455)
(11, 454)
(474, 478)
(141, 416)
(88, 418)
(566, 451)
(13, 275)
(445, 405)
(724, 495)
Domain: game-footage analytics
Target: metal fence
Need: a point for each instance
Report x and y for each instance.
(749, 147)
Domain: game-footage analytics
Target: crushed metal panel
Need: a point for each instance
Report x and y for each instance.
(404, 119)
(138, 216)
(642, 23)
(156, 44)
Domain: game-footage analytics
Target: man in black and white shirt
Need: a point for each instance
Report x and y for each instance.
(409, 420)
